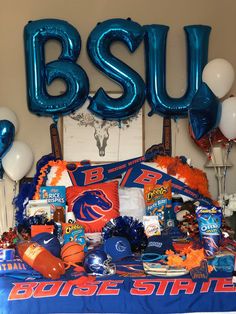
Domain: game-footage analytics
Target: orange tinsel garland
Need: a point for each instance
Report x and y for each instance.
(193, 258)
(193, 177)
(61, 166)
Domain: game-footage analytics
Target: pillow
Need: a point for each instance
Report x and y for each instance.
(132, 202)
(93, 205)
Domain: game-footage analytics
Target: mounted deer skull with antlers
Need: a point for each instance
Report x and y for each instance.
(101, 127)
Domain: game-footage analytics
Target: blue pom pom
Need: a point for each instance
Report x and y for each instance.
(127, 227)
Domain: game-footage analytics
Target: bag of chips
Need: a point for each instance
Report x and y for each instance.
(73, 232)
(157, 197)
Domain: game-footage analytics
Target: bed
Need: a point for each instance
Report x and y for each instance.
(128, 291)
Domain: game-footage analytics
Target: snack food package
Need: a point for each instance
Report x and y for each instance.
(151, 225)
(157, 197)
(73, 232)
(209, 222)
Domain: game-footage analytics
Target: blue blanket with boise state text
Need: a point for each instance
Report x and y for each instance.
(130, 290)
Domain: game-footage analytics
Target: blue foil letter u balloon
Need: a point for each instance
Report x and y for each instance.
(197, 37)
(39, 74)
(98, 47)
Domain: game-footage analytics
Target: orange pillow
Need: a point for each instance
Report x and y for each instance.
(93, 205)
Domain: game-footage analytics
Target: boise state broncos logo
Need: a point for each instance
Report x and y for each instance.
(86, 206)
(120, 246)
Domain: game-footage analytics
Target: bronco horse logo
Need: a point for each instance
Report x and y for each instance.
(85, 205)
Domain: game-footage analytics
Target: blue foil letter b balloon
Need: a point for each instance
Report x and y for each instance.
(98, 47)
(155, 49)
(39, 74)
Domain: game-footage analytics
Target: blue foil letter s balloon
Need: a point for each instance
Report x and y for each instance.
(98, 47)
(155, 50)
(39, 74)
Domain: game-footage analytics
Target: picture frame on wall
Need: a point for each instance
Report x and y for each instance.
(88, 137)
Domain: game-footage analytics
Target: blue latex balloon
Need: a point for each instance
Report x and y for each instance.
(98, 48)
(204, 112)
(155, 51)
(39, 74)
(7, 133)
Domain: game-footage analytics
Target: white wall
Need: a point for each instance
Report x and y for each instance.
(84, 15)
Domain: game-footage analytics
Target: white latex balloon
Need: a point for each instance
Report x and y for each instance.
(18, 161)
(218, 74)
(8, 114)
(227, 123)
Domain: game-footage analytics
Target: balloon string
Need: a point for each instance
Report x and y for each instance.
(176, 135)
(214, 157)
(14, 196)
(226, 158)
(3, 220)
(118, 149)
(5, 205)
(216, 169)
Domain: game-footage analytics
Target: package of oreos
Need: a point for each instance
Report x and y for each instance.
(209, 223)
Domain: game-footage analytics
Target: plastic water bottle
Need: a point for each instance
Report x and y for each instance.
(170, 217)
(41, 259)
